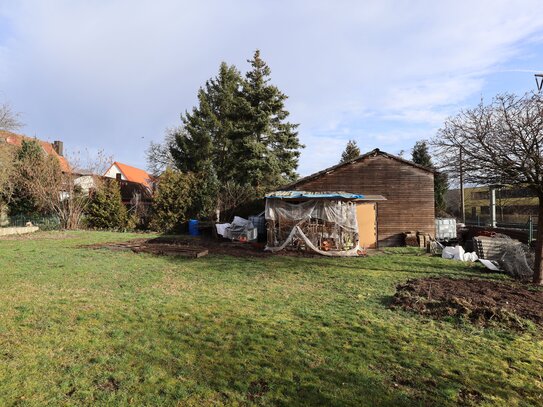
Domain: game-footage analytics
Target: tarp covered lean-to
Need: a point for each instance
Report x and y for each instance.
(326, 226)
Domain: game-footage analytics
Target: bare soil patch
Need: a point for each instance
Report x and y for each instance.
(482, 302)
(186, 246)
(191, 246)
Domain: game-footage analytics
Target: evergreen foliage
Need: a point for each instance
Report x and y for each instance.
(205, 192)
(268, 150)
(106, 209)
(172, 201)
(420, 155)
(351, 152)
(208, 131)
(239, 132)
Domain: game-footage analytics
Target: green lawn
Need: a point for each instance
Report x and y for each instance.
(81, 326)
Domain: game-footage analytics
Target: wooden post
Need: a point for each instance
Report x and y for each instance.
(462, 197)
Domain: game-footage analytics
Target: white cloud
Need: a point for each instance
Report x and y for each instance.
(115, 74)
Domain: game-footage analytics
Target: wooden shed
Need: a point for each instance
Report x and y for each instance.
(407, 187)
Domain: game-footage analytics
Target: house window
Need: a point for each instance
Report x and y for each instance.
(485, 210)
(479, 195)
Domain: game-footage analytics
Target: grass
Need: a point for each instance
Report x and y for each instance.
(80, 326)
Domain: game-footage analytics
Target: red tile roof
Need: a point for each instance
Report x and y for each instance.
(134, 174)
(17, 140)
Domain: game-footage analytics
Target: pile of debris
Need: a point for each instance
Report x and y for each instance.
(240, 229)
(497, 253)
(504, 253)
(482, 302)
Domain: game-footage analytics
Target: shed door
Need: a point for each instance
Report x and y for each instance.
(366, 216)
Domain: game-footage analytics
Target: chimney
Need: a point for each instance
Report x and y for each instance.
(58, 146)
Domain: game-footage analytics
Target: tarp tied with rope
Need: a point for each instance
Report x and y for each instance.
(323, 222)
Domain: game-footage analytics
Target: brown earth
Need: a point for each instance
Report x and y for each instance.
(185, 246)
(188, 245)
(483, 302)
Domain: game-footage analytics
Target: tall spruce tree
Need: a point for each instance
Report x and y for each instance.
(350, 153)
(269, 146)
(238, 133)
(206, 135)
(420, 155)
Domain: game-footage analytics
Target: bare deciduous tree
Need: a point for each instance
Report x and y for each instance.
(62, 192)
(9, 120)
(501, 143)
(159, 156)
(231, 196)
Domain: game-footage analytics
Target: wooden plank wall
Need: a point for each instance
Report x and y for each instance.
(409, 191)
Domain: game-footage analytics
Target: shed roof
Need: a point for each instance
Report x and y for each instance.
(372, 153)
(303, 195)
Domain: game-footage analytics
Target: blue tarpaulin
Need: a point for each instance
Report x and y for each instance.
(312, 195)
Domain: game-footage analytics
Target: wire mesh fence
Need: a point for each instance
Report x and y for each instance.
(529, 228)
(43, 222)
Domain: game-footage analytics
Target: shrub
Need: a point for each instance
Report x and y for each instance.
(172, 200)
(105, 209)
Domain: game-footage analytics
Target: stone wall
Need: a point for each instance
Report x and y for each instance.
(18, 230)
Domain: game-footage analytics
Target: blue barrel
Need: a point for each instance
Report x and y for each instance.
(193, 227)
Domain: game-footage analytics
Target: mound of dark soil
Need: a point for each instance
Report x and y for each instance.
(480, 301)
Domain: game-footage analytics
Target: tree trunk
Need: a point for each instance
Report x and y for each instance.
(538, 265)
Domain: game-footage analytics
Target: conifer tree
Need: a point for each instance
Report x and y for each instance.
(269, 144)
(351, 152)
(172, 201)
(420, 155)
(106, 209)
(206, 135)
(238, 132)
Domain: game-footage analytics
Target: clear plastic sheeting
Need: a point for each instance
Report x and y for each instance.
(343, 214)
(328, 227)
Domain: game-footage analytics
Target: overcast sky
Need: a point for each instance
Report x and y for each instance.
(113, 75)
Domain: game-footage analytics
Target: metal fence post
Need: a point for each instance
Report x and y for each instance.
(530, 229)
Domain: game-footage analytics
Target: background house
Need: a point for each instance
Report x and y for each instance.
(55, 149)
(407, 187)
(514, 204)
(136, 184)
(124, 172)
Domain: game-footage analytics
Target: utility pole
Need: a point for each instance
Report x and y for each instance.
(462, 197)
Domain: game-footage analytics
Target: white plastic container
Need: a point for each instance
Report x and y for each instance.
(445, 228)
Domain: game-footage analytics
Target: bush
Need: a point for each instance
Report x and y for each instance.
(106, 209)
(172, 201)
